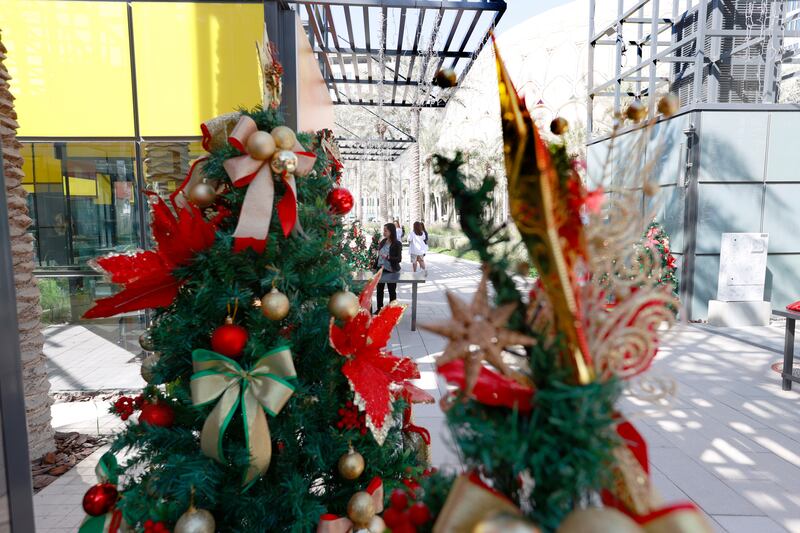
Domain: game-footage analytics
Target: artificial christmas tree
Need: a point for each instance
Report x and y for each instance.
(241, 417)
(545, 445)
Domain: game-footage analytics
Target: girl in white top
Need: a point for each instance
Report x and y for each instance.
(417, 246)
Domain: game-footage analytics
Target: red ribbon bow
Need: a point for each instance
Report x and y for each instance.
(256, 175)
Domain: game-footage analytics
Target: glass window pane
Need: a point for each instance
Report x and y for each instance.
(82, 199)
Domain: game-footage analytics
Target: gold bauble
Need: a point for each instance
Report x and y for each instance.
(559, 126)
(504, 523)
(598, 520)
(376, 525)
(651, 188)
(361, 509)
(284, 161)
(261, 145)
(202, 194)
(637, 111)
(147, 366)
(195, 521)
(669, 104)
(285, 138)
(351, 464)
(275, 305)
(146, 341)
(445, 78)
(343, 305)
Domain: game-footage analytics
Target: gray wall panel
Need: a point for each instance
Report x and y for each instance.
(783, 281)
(782, 217)
(705, 284)
(784, 147)
(726, 208)
(733, 146)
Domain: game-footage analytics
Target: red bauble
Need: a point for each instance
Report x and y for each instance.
(340, 200)
(99, 499)
(419, 514)
(229, 340)
(399, 500)
(157, 414)
(394, 518)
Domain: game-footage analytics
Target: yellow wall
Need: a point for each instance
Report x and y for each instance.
(70, 63)
(70, 67)
(194, 61)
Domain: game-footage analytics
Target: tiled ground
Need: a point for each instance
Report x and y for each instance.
(729, 440)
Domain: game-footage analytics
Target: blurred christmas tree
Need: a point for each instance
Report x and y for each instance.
(254, 420)
(354, 249)
(655, 243)
(538, 373)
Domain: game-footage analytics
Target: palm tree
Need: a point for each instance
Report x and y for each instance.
(29, 312)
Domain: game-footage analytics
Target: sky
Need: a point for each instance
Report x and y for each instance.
(520, 10)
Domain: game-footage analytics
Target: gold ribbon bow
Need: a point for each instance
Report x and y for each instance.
(262, 388)
(255, 174)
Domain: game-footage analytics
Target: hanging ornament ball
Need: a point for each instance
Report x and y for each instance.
(229, 339)
(147, 366)
(419, 514)
(669, 104)
(598, 520)
(285, 138)
(157, 414)
(261, 145)
(146, 341)
(195, 521)
(343, 305)
(361, 509)
(203, 194)
(275, 305)
(637, 111)
(398, 500)
(503, 523)
(651, 188)
(376, 525)
(284, 161)
(99, 499)
(523, 268)
(351, 464)
(445, 78)
(340, 201)
(559, 126)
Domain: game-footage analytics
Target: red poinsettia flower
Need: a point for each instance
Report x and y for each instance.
(147, 276)
(373, 373)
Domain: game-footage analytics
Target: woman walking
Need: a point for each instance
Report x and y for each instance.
(418, 246)
(390, 252)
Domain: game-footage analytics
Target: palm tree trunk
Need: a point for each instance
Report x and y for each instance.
(415, 192)
(29, 313)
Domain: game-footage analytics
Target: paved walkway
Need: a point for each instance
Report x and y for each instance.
(729, 440)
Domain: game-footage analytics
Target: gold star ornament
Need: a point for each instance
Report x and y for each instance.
(477, 333)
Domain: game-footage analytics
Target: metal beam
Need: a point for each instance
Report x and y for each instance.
(483, 5)
(372, 82)
(403, 52)
(437, 103)
(401, 32)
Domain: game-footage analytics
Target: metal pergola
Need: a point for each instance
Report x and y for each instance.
(698, 49)
(384, 53)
